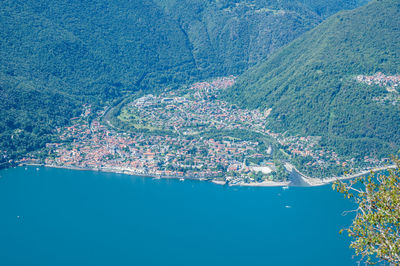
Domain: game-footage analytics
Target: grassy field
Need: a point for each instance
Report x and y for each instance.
(129, 118)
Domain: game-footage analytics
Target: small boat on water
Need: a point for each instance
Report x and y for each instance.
(37, 169)
(285, 187)
(181, 179)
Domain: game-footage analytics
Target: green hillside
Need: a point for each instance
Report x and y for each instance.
(56, 55)
(311, 83)
(329, 7)
(229, 36)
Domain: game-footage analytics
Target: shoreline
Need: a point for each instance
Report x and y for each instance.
(311, 182)
(115, 171)
(314, 182)
(127, 172)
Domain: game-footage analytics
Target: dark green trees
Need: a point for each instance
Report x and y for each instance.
(375, 231)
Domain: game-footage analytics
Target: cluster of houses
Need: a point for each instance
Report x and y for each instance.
(94, 146)
(189, 112)
(390, 82)
(318, 157)
(181, 144)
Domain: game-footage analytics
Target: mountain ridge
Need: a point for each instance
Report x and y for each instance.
(309, 83)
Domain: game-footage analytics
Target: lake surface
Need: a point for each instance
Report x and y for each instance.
(65, 217)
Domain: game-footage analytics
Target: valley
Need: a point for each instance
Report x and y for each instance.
(305, 92)
(199, 132)
(57, 55)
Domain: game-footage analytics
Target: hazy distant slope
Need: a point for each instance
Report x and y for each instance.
(326, 8)
(230, 36)
(310, 84)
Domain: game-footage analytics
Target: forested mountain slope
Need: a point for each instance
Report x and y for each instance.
(229, 36)
(329, 7)
(312, 87)
(56, 55)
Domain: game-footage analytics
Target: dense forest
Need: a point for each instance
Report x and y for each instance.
(57, 55)
(311, 83)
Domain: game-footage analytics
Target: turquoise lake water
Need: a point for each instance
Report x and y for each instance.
(65, 217)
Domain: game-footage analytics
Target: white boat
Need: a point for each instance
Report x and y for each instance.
(285, 187)
(181, 179)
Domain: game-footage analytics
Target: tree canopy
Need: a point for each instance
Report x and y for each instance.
(376, 228)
